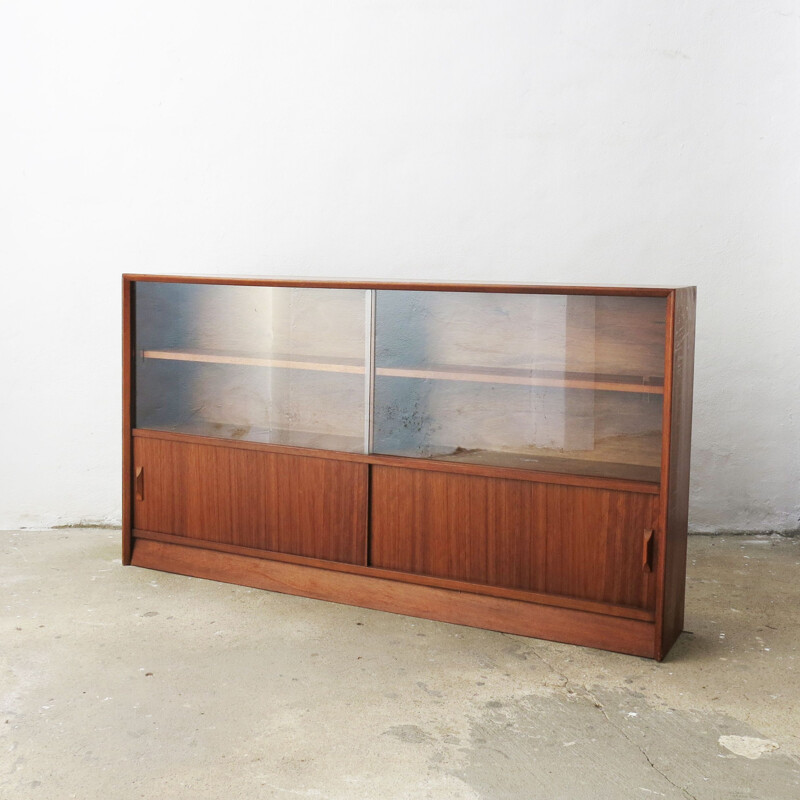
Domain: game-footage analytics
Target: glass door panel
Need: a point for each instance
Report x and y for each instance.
(564, 383)
(265, 364)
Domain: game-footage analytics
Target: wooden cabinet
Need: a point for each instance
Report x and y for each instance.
(510, 457)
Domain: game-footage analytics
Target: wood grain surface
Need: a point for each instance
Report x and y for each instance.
(269, 501)
(540, 598)
(322, 283)
(675, 489)
(549, 470)
(577, 542)
(480, 611)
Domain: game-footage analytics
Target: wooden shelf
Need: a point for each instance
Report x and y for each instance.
(523, 377)
(563, 465)
(537, 460)
(631, 459)
(353, 366)
(647, 384)
(251, 433)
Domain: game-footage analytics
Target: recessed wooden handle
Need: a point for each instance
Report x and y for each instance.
(647, 550)
(139, 483)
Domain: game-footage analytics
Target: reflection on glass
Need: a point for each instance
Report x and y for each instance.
(551, 382)
(266, 364)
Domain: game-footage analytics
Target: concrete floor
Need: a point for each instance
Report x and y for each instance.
(120, 683)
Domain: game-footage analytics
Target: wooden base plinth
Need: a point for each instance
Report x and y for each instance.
(571, 626)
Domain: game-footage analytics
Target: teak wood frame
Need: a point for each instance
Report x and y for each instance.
(612, 626)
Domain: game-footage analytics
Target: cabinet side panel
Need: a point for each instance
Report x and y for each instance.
(679, 462)
(269, 501)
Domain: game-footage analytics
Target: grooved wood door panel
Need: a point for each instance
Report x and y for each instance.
(564, 540)
(291, 504)
(456, 526)
(595, 543)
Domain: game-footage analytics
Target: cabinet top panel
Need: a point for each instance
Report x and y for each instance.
(327, 283)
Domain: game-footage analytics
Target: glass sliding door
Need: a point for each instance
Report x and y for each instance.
(563, 383)
(559, 383)
(265, 364)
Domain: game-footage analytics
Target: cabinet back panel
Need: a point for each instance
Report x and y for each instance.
(290, 504)
(571, 541)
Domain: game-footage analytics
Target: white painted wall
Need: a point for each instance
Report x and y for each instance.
(573, 141)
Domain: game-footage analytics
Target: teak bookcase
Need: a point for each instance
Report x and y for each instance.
(508, 457)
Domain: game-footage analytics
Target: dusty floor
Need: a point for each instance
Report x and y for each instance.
(124, 683)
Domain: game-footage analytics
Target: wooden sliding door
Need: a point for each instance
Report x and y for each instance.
(588, 543)
(300, 505)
